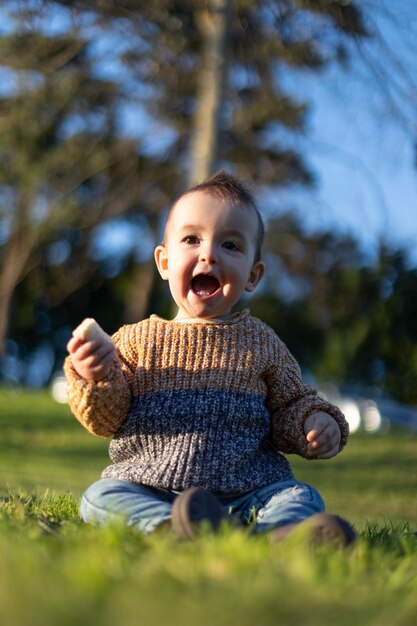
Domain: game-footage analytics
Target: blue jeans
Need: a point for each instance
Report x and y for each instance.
(277, 504)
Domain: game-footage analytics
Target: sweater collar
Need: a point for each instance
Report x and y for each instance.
(234, 318)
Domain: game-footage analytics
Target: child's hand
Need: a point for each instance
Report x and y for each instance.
(92, 351)
(323, 435)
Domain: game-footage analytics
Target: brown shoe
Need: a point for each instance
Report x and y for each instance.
(192, 508)
(318, 529)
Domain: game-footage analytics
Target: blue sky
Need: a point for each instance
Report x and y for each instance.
(361, 138)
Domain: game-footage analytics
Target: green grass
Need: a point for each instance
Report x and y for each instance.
(54, 570)
(42, 446)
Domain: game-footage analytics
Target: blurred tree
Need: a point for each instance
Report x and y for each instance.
(77, 68)
(316, 278)
(209, 79)
(213, 73)
(65, 166)
(213, 22)
(388, 355)
(346, 319)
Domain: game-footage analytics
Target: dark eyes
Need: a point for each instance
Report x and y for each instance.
(192, 240)
(229, 245)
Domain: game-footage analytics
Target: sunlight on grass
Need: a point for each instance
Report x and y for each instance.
(56, 570)
(73, 573)
(42, 446)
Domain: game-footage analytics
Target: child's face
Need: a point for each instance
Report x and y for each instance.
(208, 256)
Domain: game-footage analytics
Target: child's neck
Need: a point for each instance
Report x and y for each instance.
(201, 320)
(182, 316)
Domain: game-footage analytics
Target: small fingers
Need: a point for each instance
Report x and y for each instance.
(324, 452)
(317, 423)
(97, 360)
(73, 344)
(85, 349)
(324, 442)
(92, 353)
(320, 437)
(97, 371)
(328, 455)
(91, 359)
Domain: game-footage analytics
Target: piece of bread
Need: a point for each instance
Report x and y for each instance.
(89, 330)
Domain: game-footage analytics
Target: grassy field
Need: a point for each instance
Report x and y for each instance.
(56, 571)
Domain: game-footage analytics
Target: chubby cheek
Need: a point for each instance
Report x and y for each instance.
(231, 293)
(181, 264)
(179, 286)
(238, 280)
(178, 269)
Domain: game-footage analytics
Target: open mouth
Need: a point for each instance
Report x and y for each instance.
(204, 284)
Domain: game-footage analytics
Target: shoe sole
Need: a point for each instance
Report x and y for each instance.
(319, 529)
(192, 508)
(330, 529)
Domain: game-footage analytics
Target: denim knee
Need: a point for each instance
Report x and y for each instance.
(93, 505)
(288, 503)
(119, 501)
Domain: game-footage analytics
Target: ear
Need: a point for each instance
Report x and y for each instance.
(255, 276)
(161, 260)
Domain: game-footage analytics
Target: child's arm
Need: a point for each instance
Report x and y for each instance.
(97, 385)
(302, 422)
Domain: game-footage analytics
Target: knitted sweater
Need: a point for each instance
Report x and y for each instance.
(211, 404)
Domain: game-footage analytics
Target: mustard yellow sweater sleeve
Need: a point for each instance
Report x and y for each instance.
(101, 407)
(291, 401)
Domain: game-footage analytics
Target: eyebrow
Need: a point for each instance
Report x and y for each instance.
(190, 227)
(229, 233)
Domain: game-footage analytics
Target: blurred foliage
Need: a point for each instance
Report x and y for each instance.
(76, 70)
(346, 318)
(96, 118)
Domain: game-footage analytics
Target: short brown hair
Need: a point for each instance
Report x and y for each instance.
(233, 190)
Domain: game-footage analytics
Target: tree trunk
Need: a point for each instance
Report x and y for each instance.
(139, 293)
(5, 305)
(16, 254)
(212, 21)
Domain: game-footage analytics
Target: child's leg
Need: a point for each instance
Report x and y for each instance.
(287, 502)
(110, 500)
(277, 504)
(286, 506)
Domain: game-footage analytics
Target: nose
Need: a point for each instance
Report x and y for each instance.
(208, 253)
